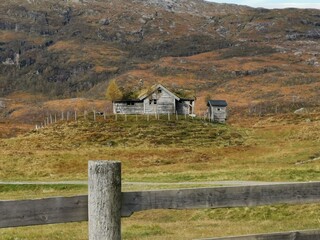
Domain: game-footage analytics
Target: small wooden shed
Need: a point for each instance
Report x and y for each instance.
(217, 110)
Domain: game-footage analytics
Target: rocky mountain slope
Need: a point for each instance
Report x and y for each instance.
(245, 55)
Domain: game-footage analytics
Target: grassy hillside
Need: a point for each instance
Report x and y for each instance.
(280, 148)
(273, 148)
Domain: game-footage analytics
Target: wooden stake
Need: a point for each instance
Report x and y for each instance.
(104, 200)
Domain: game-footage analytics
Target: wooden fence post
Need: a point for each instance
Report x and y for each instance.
(104, 201)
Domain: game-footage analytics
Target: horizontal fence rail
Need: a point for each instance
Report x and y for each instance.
(220, 197)
(43, 211)
(75, 209)
(294, 235)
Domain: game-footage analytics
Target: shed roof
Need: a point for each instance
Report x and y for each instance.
(218, 103)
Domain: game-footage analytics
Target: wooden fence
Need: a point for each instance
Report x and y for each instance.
(68, 116)
(106, 204)
(293, 235)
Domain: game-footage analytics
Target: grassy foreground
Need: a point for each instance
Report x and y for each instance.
(274, 148)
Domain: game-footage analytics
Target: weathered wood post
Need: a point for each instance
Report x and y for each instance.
(104, 199)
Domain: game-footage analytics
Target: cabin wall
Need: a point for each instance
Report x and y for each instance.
(185, 107)
(128, 108)
(160, 103)
(217, 114)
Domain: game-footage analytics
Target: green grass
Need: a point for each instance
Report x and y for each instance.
(31, 191)
(266, 149)
(188, 224)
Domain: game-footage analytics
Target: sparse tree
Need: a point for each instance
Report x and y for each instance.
(113, 91)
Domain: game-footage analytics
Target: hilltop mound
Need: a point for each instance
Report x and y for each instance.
(132, 131)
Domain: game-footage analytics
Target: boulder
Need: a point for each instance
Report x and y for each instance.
(2, 104)
(301, 111)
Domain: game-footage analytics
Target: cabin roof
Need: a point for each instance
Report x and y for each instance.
(217, 103)
(147, 92)
(177, 94)
(127, 100)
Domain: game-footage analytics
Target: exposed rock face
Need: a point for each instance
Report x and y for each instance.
(2, 104)
(66, 48)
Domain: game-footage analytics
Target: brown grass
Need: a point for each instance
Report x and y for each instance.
(273, 148)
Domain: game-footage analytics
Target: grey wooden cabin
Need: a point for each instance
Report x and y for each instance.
(156, 100)
(217, 110)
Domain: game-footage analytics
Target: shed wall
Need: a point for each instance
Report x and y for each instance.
(218, 114)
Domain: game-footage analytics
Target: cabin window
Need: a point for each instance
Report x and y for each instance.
(219, 109)
(159, 90)
(155, 101)
(130, 103)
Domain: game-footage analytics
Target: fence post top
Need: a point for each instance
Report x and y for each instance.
(103, 162)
